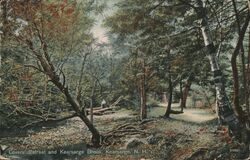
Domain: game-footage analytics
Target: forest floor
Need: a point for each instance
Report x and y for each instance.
(191, 135)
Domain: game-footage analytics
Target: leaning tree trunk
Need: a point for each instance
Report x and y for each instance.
(225, 110)
(49, 70)
(96, 137)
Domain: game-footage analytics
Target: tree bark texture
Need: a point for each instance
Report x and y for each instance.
(181, 94)
(3, 24)
(248, 79)
(226, 113)
(239, 47)
(237, 108)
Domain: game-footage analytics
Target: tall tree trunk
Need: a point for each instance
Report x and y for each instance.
(3, 31)
(3, 14)
(248, 78)
(239, 47)
(186, 91)
(238, 110)
(181, 95)
(248, 83)
(225, 110)
(91, 102)
(170, 97)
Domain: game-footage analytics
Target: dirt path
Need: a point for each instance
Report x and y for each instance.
(190, 114)
(196, 115)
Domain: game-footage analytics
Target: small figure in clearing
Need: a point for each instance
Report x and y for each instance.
(103, 103)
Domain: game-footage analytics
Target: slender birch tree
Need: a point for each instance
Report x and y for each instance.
(225, 110)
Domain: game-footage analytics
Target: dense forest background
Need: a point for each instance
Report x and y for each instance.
(173, 55)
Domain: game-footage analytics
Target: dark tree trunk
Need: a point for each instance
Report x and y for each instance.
(181, 95)
(186, 91)
(3, 28)
(239, 47)
(3, 12)
(248, 79)
(49, 70)
(96, 137)
(170, 97)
